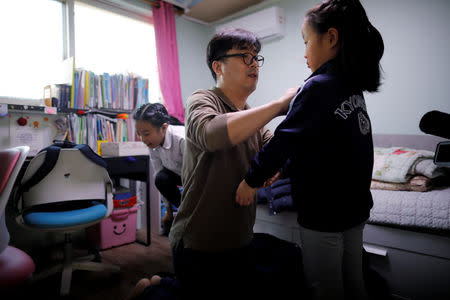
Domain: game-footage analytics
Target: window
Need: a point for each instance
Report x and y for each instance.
(31, 35)
(115, 44)
(33, 39)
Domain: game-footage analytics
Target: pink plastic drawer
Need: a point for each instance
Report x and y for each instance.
(118, 229)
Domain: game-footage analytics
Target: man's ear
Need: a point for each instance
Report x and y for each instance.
(216, 66)
(333, 37)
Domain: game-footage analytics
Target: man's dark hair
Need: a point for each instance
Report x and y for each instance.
(360, 43)
(228, 39)
(156, 114)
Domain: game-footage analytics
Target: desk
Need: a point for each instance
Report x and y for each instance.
(136, 167)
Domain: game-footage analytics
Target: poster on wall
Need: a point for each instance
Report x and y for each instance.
(30, 131)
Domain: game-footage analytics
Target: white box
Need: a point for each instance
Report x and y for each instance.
(124, 149)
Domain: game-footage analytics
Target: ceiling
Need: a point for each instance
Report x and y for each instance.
(209, 11)
(206, 12)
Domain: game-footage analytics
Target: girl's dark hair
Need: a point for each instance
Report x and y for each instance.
(360, 43)
(156, 114)
(228, 39)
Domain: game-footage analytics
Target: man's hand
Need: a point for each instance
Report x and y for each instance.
(245, 195)
(274, 178)
(286, 98)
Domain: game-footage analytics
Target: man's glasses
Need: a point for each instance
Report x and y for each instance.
(246, 57)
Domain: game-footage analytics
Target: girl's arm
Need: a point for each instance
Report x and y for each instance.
(156, 163)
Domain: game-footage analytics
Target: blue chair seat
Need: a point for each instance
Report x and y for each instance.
(74, 217)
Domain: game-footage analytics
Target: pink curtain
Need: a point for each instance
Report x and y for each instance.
(167, 54)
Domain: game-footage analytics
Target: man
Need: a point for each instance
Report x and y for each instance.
(211, 235)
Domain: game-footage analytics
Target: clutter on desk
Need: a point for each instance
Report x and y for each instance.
(123, 148)
(124, 199)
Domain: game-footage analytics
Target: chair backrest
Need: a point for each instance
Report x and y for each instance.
(51, 157)
(74, 177)
(11, 160)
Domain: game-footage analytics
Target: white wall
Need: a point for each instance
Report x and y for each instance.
(416, 36)
(192, 39)
(416, 62)
(284, 64)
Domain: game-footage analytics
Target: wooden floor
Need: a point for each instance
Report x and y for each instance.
(135, 260)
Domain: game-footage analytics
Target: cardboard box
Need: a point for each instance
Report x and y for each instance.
(124, 149)
(118, 229)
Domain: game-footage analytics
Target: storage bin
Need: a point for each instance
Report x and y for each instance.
(118, 229)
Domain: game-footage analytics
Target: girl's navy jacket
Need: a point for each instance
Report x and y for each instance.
(325, 146)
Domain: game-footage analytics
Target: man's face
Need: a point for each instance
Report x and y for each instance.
(236, 71)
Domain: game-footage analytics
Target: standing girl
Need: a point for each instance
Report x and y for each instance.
(164, 135)
(327, 139)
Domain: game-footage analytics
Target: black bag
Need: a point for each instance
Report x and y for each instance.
(168, 289)
(279, 273)
(280, 263)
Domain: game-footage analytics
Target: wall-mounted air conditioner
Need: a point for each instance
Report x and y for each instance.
(268, 24)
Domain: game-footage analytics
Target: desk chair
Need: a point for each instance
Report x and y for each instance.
(75, 194)
(16, 266)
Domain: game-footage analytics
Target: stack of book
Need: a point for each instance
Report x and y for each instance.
(57, 95)
(90, 128)
(116, 91)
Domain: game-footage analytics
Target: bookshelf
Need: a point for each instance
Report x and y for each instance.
(88, 108)
(32, 108)
(65, 110)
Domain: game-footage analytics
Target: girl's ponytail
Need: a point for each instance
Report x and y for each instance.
(374, 52)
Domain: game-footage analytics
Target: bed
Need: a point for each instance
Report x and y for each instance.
(407, 235)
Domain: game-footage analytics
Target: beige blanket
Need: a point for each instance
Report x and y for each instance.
(399, 165)
(416, 184)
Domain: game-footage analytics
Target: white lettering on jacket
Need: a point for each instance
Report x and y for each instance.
(349, 105)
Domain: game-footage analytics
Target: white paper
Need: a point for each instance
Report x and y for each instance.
(3, 109)
(27, 136)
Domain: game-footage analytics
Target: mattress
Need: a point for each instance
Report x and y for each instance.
(430, 210)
